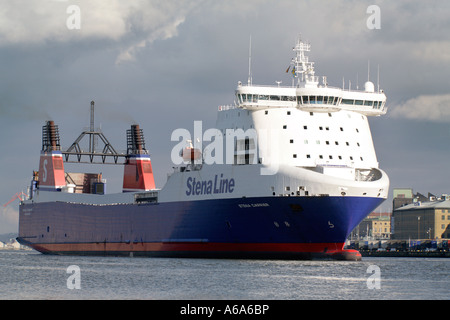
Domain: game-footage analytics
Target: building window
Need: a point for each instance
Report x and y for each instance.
(305, 127)
(308, 156)
(291, 141)
(285, 127)
(294, 155)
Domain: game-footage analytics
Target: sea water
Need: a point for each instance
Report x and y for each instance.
(31, 275)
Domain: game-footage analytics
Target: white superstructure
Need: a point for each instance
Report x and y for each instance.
(308, 139)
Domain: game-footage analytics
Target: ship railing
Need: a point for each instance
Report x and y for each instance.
(379, 91)
(226, 107)
(146, 197)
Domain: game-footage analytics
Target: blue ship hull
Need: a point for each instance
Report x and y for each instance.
(266, 227)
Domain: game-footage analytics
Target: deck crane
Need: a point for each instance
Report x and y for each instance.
(19, 195)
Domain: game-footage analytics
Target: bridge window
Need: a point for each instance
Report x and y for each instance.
(320, 100)
(348, 101)
(332, 100)
(248, 97)
(317, 100)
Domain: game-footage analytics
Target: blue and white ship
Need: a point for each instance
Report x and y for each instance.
(297, 173)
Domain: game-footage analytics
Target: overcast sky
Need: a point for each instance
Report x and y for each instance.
(164, 64)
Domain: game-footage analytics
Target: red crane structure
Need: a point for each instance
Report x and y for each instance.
(19, 195)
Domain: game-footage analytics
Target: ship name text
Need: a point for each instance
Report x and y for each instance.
(213, 186)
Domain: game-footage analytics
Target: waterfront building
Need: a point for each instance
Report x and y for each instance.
(405, 196)
(376, 225)
(423, 220)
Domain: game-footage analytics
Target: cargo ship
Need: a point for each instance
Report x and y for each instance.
(289, 172)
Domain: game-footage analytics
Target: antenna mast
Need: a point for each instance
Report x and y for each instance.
(250, 63)
(378, 78)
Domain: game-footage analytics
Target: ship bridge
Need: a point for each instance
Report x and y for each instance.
(308, 94)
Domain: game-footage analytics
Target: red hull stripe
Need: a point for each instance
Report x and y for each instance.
(328, 248)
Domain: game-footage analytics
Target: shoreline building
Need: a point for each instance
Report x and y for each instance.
(423, 220)
(376, 225)
(405, 196)
(416, 216)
